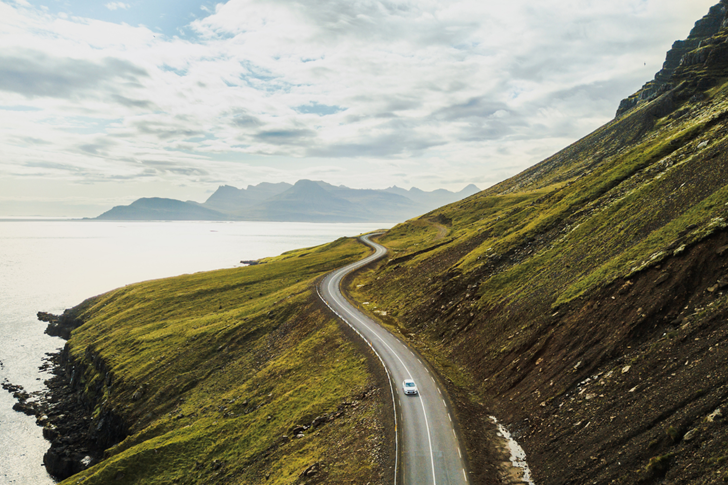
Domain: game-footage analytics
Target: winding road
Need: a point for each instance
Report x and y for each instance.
(428, 449)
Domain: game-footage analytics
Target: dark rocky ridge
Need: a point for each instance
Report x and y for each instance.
(695, 49)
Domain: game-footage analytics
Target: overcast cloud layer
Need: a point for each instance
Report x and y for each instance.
(362, 93)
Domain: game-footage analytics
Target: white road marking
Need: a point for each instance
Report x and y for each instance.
(391, 387)
(334, 281)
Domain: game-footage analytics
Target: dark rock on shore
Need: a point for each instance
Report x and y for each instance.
(24, 405)
(78, 440)
(65, 412)
(47, 317)
(25, 408)
(63, 325)
(60, 325)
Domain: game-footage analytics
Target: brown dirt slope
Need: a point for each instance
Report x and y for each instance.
(583, 302)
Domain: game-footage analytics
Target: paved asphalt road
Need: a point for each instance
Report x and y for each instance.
(429, 452)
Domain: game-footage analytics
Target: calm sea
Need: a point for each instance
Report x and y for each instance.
(53, 265)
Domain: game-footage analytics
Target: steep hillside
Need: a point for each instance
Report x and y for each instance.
(235, 376)
(584, 302)
(700, 44)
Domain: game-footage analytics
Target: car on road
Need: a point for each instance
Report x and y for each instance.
(409, 386)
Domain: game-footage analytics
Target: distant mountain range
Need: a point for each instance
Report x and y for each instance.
(306, 201)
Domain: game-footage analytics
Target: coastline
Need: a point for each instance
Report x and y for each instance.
(55, 265)
(77, 433)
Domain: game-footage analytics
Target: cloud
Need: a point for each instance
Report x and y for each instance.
(441, 90)
(288, 137)
(478, 107)
(36, 74)
(394, 142)
(133, 103)
(245, 120)
(61, 167)
(162, 166)
(319, 109)
(117, 6)
(157, 128)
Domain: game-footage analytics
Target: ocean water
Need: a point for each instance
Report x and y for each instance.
(54, 265)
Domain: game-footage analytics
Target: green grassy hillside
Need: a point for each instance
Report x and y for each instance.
(583, 300)
(213, 372)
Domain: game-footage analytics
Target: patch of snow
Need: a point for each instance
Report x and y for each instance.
(518, 455)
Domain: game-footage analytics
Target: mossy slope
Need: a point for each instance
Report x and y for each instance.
(532, 290)
(213, 371)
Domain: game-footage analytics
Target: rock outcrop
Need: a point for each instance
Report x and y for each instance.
(78, 426)
(78, 437)
(699, 48)
(62, 325)
(65, 411)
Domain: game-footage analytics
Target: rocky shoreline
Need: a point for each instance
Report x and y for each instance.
(64, 410)
(60, 325)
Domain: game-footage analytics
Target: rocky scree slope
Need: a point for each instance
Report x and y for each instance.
(584, 302)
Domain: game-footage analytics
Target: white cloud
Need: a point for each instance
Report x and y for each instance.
(117, 5)
(429, 93)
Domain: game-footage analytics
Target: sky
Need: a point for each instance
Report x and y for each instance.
(105, 102)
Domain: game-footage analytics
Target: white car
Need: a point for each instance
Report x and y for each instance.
(409, 386)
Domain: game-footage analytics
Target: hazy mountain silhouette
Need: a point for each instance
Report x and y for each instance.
(436, 198)
(231, 200)
(306, 201)
(156, 208)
